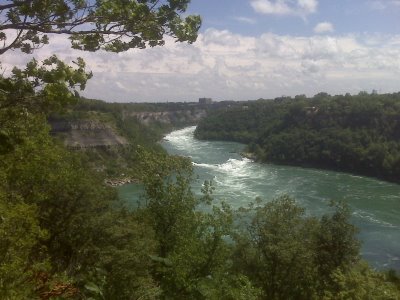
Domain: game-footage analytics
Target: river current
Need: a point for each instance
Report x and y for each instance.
(238, 181)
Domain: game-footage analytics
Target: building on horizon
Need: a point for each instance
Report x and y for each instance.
(205, 100)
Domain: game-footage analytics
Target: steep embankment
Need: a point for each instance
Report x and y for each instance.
(109, 134)
(169, 118)
(358, 134)
(83, 134)
(106, 127)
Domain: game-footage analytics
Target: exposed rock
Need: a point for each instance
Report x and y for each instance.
(87, 134)
(83, 134)
(249, 155)
(115, 182)
(169, 117)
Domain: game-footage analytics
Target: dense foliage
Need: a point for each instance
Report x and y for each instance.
(358, 134)
(116, 25)
(65, 235)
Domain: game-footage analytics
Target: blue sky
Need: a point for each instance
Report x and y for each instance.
(250, 49)
(347, 16)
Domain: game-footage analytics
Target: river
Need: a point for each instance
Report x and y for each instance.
(375, 204)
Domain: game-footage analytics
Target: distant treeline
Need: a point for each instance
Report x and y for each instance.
(358, 134)
(85, 104)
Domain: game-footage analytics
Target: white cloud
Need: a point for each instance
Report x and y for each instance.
(246, 20)
(225, 65)
(268, 7)
(308, 6)
(383, 4)
(285, 7)
(220, 37)
(324, 27)
(376, 5)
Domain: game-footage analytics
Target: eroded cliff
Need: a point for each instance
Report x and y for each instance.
(82, 134)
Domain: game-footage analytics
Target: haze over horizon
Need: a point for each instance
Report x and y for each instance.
(250, 49)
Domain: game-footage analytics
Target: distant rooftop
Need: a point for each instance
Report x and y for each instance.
(205, 100)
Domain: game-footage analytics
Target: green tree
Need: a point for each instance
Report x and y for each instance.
(360, 283)
(276, 251)
(193, 253)
(292, 256)
(30, 94)
(124, 262)
(356, 134)
(19, 235)
(116, 25)
(337, 247)
(56, 217)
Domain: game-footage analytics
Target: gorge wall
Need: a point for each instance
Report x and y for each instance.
(86, 134)
(95, 133)
(168, 117)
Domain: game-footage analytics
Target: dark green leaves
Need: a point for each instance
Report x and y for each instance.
(357, 134)
(116, 25)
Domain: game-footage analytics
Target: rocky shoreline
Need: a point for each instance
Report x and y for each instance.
(116, 182)
(249, 155)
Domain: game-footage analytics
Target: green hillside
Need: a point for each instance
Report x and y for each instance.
(357, 134)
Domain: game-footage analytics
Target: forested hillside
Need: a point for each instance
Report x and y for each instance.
(64, 234)
(357, 134)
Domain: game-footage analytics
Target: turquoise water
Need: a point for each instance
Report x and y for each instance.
(375, 204)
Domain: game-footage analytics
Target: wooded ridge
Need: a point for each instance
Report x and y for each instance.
(359, 134)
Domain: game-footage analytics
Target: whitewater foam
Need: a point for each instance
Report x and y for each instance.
(372, 219)
(239, 181)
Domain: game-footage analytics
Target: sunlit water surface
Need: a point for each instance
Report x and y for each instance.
(375, 204)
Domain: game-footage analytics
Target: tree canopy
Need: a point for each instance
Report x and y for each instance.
(64, 234)
(112, 25)
(357, 134)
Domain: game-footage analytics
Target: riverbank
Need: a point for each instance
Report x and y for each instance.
(356, 134)
(249, 155)
(238, 181)
(116, 182)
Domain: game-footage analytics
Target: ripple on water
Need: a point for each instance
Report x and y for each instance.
(375, 204)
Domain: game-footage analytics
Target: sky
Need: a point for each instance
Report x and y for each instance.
(251, 49)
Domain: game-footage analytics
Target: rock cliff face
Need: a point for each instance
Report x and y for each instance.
(86, 134)
(169, 117)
